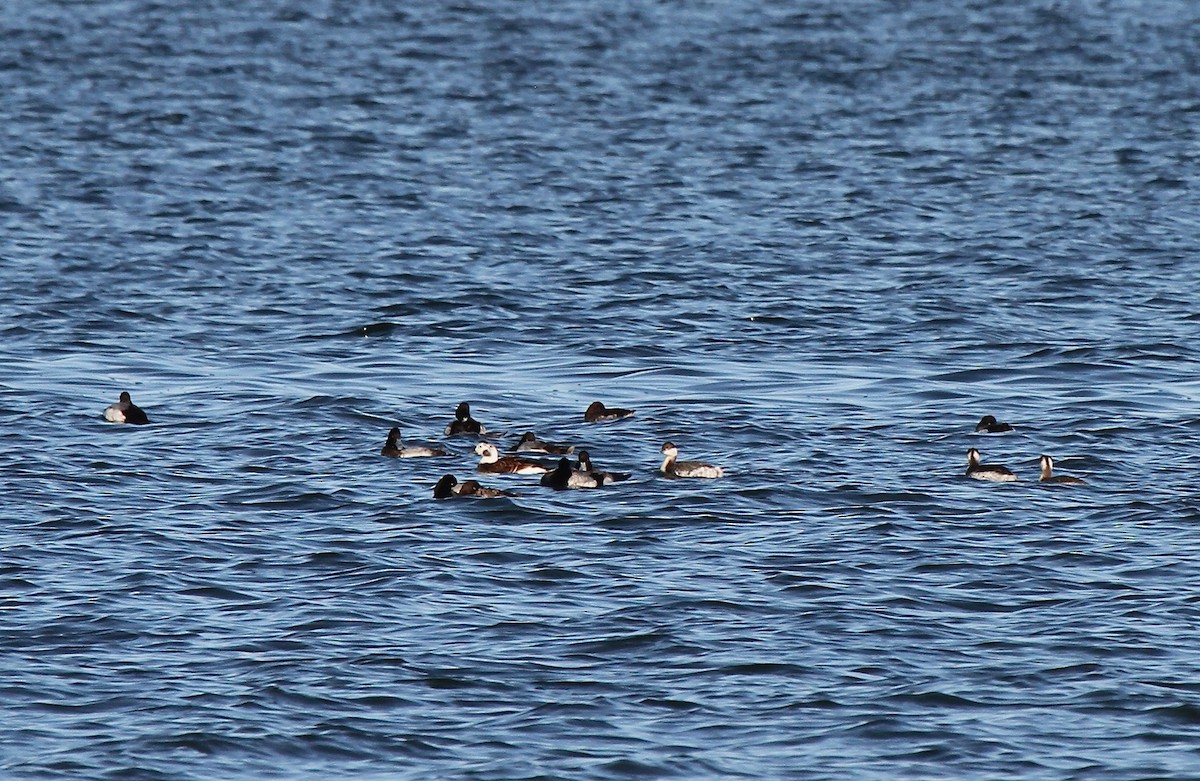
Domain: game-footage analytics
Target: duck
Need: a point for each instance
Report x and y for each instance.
(393, 449)
(463, 423)
(584, 464)
(531, 444)
(673, 468)
(598, 413)
(125, 411)
(1048, 475)
(992, 472)
(491, 461)
(449, 487)
(565, 476)
(988, 425)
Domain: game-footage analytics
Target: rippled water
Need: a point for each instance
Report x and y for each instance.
(813, 242)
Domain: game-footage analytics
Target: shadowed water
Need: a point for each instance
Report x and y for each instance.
(811, 242)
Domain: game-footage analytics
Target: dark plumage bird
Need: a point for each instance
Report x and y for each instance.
(598, 413)
(125, 411)
(988, 425)
(448, 487)
(564, 476)
(584, 464)
(531, 444)
(463, 423)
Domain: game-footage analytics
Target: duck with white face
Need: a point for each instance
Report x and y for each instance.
(992, 472)
(394, 448)
(492, 462)
(675, 468)
(1048, 476)
(463, 423)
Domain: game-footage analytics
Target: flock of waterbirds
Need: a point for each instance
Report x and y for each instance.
(582, 473)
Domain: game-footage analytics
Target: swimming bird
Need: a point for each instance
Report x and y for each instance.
(598, 413)
(490, 460)
(584, 464)
(125, 411)
(531, 444)
(1048, 475)
(673, 468)
(463, 423)
(564, 477)
(992, 472)
(394, 449)
(988, 425)
(449, 487)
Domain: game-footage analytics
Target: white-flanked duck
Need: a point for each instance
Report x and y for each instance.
(393, 448)
(565, 476)
(673, 468)
(988, 425)
(531, 444)
(463, 423)
(584, 464)
(449, 487)
(992, 472)
(1048, 475)
(491, 461)
(125, 411)
(598, 413)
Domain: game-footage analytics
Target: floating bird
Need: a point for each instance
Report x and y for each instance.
(584, 464)
(673, 468)
(564, 477)
(1048, 475)
(491, 461)
(125, 411)
(531, 444)
(394, 449)
(463, 423)
(598, 413)
(992, 472)
(449, 487)
(988, 425)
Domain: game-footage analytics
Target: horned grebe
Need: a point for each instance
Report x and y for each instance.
(674, 468)
(1048, 475)
(993, 472)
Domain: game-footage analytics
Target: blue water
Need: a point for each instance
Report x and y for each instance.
(812, 242)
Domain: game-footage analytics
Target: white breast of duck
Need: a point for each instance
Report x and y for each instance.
(491, 461)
